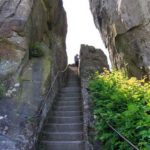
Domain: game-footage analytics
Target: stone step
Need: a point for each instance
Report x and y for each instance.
(71, 89)
(72, 92)
(67, 108)
(62, 136)
(72, 74)
(69, 94)
(73, 80)
(67, 113)
(71, 127)
(75, 119)
(73, 84)
(69, 98)
(65, 104)
(62, 145)
(69, 103)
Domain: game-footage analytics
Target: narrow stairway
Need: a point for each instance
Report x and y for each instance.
(63, 128)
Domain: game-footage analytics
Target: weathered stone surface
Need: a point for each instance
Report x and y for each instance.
(125, 29)
(91, 60)
(10, 57)
(7, 144)
(25, 22)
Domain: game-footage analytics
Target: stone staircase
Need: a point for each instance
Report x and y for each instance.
(63, 128)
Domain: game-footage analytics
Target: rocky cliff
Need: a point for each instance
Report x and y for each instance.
(125, 29)
(25, 22)
(91, 60)
(32, 50)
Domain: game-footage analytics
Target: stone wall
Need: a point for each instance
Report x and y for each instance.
(24, 23)
(125, 29)
(91, 60)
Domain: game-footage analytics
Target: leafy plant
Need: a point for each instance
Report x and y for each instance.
(35, 50)
(124, 103)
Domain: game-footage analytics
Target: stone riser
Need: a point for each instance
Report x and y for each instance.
(74, 127)
(67, 113)
(75, 145)
(75, 119)
(68, 108)
(64, 136)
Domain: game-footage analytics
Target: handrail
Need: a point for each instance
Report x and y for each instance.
(49, 90)
(51, 87)
(118, 133)
(125, 139)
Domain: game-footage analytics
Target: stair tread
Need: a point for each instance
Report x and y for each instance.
(63, 145)
(67, 102)
(66, 113)
(70, 132)
(65, 117)
(62, 136)
(65, 120)
(70, 98)
(59, 142)
(67, 106)
(63, 124)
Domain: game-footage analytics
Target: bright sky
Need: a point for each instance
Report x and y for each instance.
(81, 28)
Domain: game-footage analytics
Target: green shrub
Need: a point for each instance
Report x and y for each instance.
(125, 104)
(35, 50)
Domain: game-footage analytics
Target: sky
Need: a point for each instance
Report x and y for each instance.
(81, 28)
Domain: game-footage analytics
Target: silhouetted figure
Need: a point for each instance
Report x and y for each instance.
(76, 60)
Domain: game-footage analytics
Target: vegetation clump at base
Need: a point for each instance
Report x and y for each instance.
(125, 104)
(35, 50)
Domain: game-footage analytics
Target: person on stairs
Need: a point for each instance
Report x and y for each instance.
(76, 60)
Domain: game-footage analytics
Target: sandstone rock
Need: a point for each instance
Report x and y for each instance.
(22, 23)
(11, 57)
(125, 29)
(28, 21)
(91, 60)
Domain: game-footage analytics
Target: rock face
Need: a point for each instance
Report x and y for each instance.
(91, 60)
(125, 29)
(26, 26)
(23, 22)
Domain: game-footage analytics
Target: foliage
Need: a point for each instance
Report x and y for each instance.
(35, 50)
(125, 104)
(2, 89)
